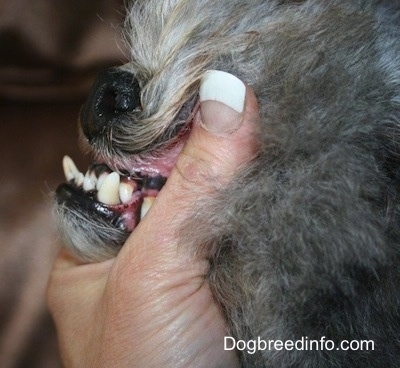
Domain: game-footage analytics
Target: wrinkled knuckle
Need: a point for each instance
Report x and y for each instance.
(193, 171)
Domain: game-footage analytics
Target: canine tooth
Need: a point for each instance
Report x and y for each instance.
(125, 192)
(108, 192)
(89, 182)
(70, 170)
(147, 203)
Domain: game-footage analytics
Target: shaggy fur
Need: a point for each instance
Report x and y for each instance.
(306, 241)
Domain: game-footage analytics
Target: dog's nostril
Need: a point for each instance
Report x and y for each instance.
(124, 103)
(114, 93)
(117, 100)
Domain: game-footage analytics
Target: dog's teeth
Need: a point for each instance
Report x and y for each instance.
(70, 170)
(89, 182)
(108, 193)
(100, 180)
(79, 179)
(125, 192)
(147, 203)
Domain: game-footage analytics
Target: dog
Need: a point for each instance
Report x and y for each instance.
(305, 242)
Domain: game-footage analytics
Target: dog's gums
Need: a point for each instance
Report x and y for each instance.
(118, 193)
(122, 199)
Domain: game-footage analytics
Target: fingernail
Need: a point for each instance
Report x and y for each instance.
(222, 97)
(223, 87)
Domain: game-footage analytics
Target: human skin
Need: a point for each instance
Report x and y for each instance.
(151, 306)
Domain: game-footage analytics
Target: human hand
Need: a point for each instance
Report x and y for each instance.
(151, 305)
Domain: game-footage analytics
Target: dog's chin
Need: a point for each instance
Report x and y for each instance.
(98, 210)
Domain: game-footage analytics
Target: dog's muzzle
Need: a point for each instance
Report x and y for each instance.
(106, 203)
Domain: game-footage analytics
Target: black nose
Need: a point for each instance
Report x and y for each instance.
(114, 93)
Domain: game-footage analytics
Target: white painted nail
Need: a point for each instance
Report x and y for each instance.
(223, 87)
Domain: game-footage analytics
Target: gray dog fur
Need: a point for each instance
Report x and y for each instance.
(306, 241)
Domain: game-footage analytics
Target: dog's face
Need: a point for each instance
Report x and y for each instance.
(138, 116)
(306, 238)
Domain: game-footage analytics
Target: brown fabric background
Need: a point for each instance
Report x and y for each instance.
(50, 52)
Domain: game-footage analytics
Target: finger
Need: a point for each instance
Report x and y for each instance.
(75, 289)
(222, 140)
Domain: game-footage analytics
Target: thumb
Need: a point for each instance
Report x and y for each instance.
(223, 138)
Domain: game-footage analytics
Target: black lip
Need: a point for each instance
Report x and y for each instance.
(75, 198)
(154, 182)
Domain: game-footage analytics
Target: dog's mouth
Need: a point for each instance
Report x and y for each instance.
(121, 200)
(120, 191)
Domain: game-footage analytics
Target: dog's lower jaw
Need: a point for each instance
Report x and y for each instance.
(88, 239)
(98, 210)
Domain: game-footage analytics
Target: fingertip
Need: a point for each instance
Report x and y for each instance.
(223, 87)
(226, 103)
